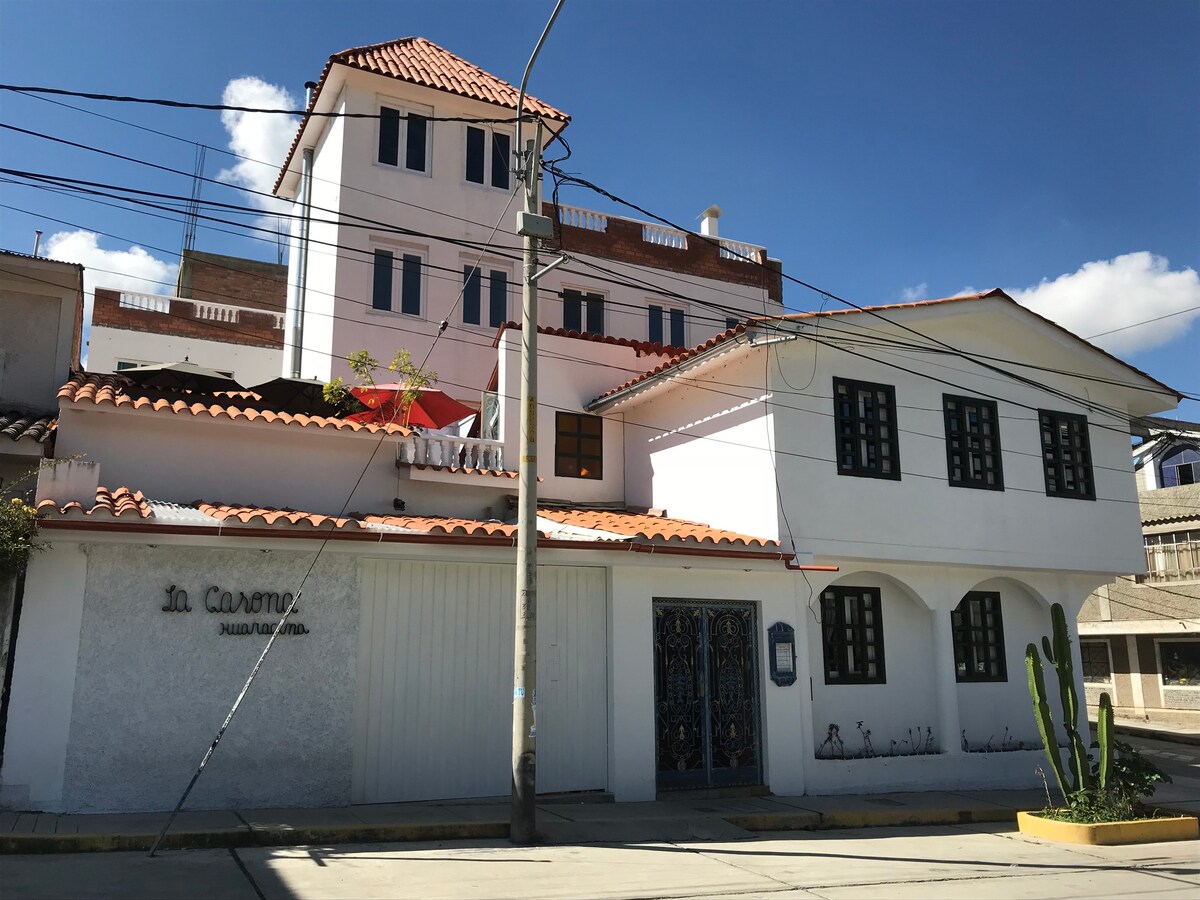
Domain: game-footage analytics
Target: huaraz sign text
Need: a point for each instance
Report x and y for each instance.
(222, 602)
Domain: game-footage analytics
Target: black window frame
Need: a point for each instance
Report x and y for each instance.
(663, 318)
(403, 130)
(1088, 660)
(488, 157)
(383, 281)
(573, 434)
(982, 635)
(473, 306)
(1055, 467)
(583, 312)
(849, 425)
(838, 635)
(957, 416)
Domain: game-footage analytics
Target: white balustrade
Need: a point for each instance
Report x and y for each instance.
(215, 312)
(582, 218)
(741, 252)
(448, 450)
(664, 237)
(148, 302)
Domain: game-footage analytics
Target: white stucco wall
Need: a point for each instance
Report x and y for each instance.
(249, 365)
(35, 341)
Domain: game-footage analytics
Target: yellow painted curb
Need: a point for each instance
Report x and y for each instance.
(1137, 831)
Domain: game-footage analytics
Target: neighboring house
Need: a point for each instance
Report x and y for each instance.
(413, 225)
(41, 308)
(1140, 636)
(732, 559)
(227, 314)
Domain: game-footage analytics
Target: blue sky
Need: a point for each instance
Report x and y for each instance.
(883, 151)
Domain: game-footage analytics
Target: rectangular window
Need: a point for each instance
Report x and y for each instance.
(498, 298)
(472, 295)
(666, 326)
(972, 443)
(381, 289)
(410, 285)
(583, 312)
(1180, 663)
(1066, 455)
(1174, 556)
(865, 416)
(852, 635)
(979, 638)
(731, 324)
(398, 126)
(578, 446)
(488, 157)
(1096, 666)
(472, 302)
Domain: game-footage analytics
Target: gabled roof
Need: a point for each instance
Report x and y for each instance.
(422, 62)
(667, 369)
(117, 390)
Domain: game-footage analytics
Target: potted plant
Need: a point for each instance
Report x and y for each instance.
(1102, 798)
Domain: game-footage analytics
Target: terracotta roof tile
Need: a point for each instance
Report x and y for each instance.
(732, 333)
(118, 390)
(260, 516)
(449, 525)
(644, 526)
(23, 426)
(466, 470)
(422, 62)
(119, 503)
(652, 348)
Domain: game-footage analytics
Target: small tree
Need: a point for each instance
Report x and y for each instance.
(364, 366)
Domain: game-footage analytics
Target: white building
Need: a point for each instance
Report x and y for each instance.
(732, 559)
(413, 223)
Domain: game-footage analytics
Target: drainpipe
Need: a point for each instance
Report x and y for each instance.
(305, 219)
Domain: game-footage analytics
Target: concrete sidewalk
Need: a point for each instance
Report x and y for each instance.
(559, 820)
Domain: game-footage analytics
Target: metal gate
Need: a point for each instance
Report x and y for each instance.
(706, 694)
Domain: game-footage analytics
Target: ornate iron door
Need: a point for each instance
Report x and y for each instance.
(706, 695)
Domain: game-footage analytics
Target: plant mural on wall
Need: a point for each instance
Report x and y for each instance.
(1108, 789)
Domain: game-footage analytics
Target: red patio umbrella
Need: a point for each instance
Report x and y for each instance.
(431, 408)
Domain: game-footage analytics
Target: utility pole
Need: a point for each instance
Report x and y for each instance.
(532, 226)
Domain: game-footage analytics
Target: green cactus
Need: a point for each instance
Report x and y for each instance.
(1060, 658)
(1041, 712)
(1104, 736)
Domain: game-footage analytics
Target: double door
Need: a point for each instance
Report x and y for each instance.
(706, 695)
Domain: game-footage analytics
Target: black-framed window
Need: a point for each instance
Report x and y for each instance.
(1094, 657)
(979, 638)
(1180, 662)
(852, 635)
(497, 297)
(1066, 455)
(583, 312)
(484, 167)
(867, 442)
(578, 446)
(972, 443)
(666, 325)
(415, 130)
(410, 282)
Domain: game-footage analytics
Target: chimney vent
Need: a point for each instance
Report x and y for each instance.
(708, 221)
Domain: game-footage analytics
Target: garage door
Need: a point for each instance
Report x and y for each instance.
(433, 713)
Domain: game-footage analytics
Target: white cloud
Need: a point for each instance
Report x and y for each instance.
(122, 270)
(262, 139)
(915, 293)
(1110, 294)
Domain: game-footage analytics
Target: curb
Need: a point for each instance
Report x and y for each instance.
(1158, 734)
(274, 836)
(871, 818)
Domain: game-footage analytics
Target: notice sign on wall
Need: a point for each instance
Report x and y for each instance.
(220, 602)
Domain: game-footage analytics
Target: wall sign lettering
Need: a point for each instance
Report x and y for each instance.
(223, 602)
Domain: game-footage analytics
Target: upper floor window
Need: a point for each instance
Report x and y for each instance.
(867, 443)
(583, 312)
(666, 325)
(578, 446)
(489, 156)
(979, 638)
(1181, 466)
(731, 323)
(480, 307)
(394, 275)
(1174, 556)
(1096, 664)
(403, 139)
(852, 635)
(972, 443)
(1066, 455)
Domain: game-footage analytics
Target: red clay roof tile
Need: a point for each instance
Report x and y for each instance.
(449, 525)
(20, 426)
(117, 503)
(259, 516)
(651, 528)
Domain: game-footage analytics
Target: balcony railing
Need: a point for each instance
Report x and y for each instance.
(664, 237)
(201, 309)
(148, 302)
(577, 217)
(448, 450)
(740, 252)
(658, 234)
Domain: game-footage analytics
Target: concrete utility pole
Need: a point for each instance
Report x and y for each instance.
(532, 226)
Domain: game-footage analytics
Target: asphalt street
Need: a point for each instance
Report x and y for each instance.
(979, 861)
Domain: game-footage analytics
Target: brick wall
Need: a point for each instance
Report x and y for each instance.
(702, 257)
(252, 329)
(232, 280)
